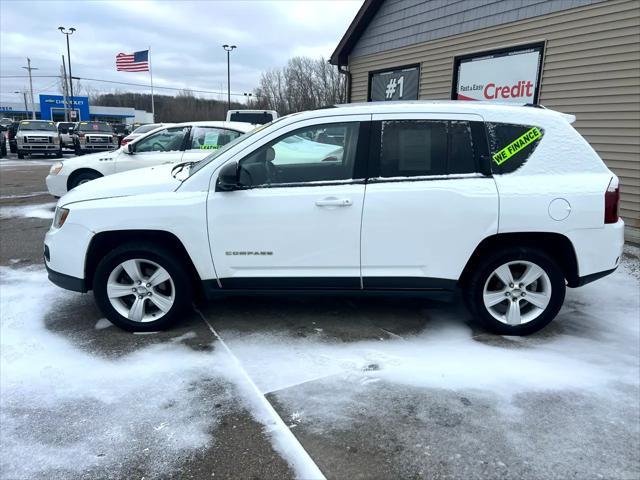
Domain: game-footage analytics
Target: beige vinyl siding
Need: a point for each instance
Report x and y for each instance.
(591, 69)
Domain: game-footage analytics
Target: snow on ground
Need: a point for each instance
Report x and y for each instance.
(66, 411)
(592, 350)
(41, 210)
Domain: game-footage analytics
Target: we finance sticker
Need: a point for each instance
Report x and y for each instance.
(517, 145)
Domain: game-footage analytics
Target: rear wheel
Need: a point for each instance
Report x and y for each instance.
(141, 288)
(516, 292)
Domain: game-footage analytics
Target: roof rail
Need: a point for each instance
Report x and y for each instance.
(534, 105)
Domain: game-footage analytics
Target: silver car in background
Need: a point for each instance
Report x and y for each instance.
(65, 129)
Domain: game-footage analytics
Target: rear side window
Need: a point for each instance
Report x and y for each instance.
(511, 145)
(415, 148)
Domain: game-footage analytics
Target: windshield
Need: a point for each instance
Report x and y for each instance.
(146, 128)
(94, 127)
(205, 161)
(40, 126)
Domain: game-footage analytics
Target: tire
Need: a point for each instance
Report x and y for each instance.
(548, 289)
(121, 309)
(83, 177)
(20, 155)
(59, 153)
(77, 149)
(13, 148)
(3, 151)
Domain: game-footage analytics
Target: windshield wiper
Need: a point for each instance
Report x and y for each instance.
(180, 166)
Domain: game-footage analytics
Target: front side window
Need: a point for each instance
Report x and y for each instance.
(211, 138)
(167, 140)
(511, 145)
(319, 153)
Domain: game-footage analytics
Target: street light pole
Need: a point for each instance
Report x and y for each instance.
(33, 105)
(228, 49)
(67, 33)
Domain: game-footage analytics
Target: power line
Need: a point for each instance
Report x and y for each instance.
(127, 83)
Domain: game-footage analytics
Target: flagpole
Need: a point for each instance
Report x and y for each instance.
(153, 106)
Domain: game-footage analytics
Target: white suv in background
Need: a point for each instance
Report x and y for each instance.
(180, 142)
(509, 204)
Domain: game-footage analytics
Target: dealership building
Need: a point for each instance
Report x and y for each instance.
(576, 56)
(51, 107)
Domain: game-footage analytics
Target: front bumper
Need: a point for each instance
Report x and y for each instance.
(35, 148)
(66, 281)
(98, 147)
(56, 184)
(65, 251)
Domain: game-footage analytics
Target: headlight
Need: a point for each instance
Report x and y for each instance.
(55, 168)
(60, 217)
(56, 139)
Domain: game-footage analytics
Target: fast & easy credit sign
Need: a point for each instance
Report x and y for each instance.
(508, 75)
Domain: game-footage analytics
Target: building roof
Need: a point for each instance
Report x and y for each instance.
(369, 8)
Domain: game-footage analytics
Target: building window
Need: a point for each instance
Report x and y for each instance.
(509, 75)
(401, 83)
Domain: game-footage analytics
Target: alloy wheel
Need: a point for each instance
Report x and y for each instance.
(140, 290)
(517, 292)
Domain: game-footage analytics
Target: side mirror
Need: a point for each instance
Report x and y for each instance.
(129, 148)
(228, 178)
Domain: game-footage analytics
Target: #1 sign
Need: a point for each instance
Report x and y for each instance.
(508, 76)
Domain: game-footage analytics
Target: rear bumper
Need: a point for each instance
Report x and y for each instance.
(598, 250)
(593, 277)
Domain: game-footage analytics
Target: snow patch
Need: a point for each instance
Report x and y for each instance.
(63, 409)
(102, 324)
(42, 210)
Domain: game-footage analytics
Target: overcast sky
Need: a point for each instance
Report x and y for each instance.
(185, 39)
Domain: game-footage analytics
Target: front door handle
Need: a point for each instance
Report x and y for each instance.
(334, 202)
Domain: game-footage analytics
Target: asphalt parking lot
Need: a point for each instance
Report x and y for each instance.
(291, 387)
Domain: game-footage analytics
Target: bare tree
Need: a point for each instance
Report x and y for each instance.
(303, 84)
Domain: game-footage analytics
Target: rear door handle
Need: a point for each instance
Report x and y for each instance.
(334, 202)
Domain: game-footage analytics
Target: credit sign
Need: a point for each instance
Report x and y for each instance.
(510, 76)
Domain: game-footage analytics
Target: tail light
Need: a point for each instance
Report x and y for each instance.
(125, 140)
(612, 201)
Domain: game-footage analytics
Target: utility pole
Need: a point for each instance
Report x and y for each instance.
(33, 105)
(24, 96)
(228, 49)
(65, 91)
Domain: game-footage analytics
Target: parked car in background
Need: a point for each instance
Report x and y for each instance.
(38, 136)
(255, 117)
(91, 137)
(65, 129)
(3, 141)
(507, 204)
(142, 130)
(191, 142)
(121, 130)
(12, 130)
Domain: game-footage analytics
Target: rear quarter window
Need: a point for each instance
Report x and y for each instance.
(511, 145)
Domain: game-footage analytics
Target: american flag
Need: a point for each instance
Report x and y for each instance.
(133, 62)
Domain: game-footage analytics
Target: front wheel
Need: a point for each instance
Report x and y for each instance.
(516, 292)
(141, 288)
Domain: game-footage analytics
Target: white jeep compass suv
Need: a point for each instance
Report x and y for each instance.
(509, 204)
